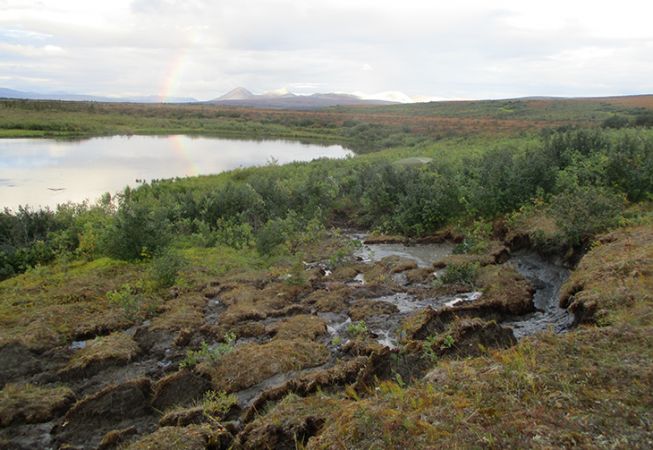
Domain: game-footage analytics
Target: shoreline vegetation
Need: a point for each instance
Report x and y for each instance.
(142, 318)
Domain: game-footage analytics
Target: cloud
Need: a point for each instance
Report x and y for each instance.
(470, 48)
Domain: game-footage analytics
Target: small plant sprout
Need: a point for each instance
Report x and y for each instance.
(218, 403)
(125, 299)
(194, 357)
(357, 329)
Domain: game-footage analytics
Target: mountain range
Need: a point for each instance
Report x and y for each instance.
(10, 93)
(281, 98)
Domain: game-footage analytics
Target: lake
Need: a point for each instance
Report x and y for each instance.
(46, 172)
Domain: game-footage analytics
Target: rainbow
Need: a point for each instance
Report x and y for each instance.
(183, 149)
(178, 67)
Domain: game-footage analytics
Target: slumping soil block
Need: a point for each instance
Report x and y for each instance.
(251, 364)
(302, 326)
(117, 348)
(33, 404)
(614, 281)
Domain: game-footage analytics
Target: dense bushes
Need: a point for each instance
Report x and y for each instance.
(585, 176)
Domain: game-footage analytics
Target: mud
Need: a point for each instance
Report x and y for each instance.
(546, 278)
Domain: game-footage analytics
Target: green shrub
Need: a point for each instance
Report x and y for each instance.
(273, 234)
(137, 231)
(462, 273)
(586, 211)
(166, 267)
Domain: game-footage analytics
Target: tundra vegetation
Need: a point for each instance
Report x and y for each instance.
(185, 292)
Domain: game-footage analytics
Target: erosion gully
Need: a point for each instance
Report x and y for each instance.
(545, 277)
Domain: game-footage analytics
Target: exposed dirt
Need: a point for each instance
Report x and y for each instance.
(340, 332)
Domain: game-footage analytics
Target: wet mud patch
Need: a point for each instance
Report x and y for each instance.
(115, 407)
(17, 363)
(180, 388)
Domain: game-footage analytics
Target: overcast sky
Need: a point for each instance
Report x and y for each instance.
(475, 49)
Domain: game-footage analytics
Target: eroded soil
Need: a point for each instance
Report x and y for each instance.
(339, 330)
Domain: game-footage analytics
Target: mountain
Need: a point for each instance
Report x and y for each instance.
(240, 93)
(10, 93)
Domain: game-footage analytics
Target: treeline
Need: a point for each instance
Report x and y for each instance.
(585, 177)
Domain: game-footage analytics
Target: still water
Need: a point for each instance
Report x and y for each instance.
(46, 172)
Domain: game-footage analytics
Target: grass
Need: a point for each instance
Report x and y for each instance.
(588, 389)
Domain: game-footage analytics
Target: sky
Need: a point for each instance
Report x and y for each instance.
(473, 49)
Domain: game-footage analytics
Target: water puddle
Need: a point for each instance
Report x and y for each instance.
(546, 278)
(423, 255)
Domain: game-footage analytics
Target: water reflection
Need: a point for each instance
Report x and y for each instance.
(45, 172)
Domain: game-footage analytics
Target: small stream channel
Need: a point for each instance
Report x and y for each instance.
(546, 279)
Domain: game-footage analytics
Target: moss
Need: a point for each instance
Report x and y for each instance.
(57, 303)
(250, 364)
(291, 423)
(421, 275)
(329, 300)
(250, 329)
(505, 289)
(376, 272)
(247, 303)
(383, 239)
(179, 388)
(33, 404)
(302, 327)
(481, 260)
(344, 273)
(113, 403)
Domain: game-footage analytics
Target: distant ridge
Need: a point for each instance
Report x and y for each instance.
(10, 93)
(284, 99)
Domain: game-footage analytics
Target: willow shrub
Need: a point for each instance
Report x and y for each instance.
(586, 211)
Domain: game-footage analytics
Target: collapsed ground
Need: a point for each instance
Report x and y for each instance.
(457, 379)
